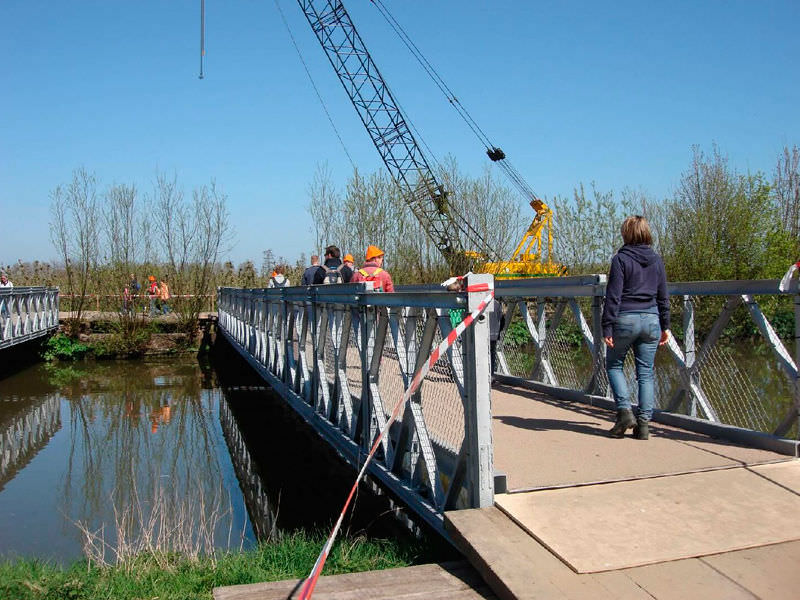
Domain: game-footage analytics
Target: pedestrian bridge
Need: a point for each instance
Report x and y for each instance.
(27, 313)
(560, 505)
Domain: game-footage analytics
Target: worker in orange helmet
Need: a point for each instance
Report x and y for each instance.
(349, 262)
(373, 271)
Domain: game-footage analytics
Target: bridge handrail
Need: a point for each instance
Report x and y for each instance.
(342, 355)
(691, 374)
(27, 313)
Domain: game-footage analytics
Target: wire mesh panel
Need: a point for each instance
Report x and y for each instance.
(350, 357)
(727, 359)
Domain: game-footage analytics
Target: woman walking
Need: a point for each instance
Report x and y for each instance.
(635, 315)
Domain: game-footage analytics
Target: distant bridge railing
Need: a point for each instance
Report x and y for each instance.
(343, 355)
(27, 313)
(551, 340)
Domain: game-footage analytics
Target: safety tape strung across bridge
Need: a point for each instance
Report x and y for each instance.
(316, 571)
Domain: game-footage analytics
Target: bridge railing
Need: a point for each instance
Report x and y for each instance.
(27, 313)
(551, 339)
(343, 355)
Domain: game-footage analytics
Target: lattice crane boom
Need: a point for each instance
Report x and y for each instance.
(390, 133)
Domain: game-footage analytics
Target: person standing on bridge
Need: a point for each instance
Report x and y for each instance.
(373, 271)
(279, 279)
(5, 283)
(635, 315)
(310, 272)
(348, 262)
(332, 270)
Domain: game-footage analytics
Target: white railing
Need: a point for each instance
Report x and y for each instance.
(27, 313)
(343, 355)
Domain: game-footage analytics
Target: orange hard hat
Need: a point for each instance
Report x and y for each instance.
(373, 252)
(348, 258)
(151, 278)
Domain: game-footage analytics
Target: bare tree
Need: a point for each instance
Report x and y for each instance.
(324, 207)
(74, 233)
(787, 189)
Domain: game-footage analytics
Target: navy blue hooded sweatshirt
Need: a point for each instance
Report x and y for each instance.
(637, 282)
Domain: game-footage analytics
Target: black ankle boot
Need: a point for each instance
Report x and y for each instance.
(641, 431)
(625, 420)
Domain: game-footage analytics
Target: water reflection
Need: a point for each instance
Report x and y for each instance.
(141, 456)
(132, 455)
(262, 513)
(25, 428)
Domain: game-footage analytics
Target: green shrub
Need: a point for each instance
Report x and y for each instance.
(63, 347)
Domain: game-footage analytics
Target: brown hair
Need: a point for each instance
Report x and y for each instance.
(636, 230)
(280, 269)
(333, 251)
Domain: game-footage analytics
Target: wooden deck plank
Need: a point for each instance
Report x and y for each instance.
(443, 581)
(515, 565)
(769, 572)
(682, 516)
(687, 580)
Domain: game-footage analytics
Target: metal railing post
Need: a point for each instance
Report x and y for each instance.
(797, 359)
(477, 409)
(689, 352)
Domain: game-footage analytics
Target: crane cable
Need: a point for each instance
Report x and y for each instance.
(512, 173)
(314, 85)
(202, 35)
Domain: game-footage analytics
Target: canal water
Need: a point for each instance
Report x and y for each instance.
(98, 456)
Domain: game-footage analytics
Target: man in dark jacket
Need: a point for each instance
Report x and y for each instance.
(310, 272)
(332, 270)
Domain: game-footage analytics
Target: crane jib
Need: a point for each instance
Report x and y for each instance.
(390, 133)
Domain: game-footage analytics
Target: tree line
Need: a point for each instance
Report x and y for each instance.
(718, 223)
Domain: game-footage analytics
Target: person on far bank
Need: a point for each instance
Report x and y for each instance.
(635, 315)
(164, 296)
(152, 294)
(373, 271)
(308, 274)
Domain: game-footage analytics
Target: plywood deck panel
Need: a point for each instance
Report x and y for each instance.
(769, 571)
(592, 528)
(687, 579)
(516, 566)
(542, 442)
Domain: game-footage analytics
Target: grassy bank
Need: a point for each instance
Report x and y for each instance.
(166, 576)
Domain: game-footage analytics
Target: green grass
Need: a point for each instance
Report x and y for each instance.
(174, 577)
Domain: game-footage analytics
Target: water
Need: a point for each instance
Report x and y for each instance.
(194, 457)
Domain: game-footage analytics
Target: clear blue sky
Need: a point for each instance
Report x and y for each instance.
(612, 92)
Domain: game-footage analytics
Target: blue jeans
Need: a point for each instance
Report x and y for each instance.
(641, 331)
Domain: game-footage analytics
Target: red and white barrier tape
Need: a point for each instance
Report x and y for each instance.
(316, 571)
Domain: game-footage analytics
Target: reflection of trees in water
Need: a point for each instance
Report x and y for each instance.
(141, 432)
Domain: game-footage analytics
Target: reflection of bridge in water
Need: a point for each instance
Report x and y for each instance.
(25, 428)
(259, 509)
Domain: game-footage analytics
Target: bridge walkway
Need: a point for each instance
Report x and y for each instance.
(682, 515)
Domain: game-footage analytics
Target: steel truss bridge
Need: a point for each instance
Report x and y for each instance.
(342, 355)
(27, 313)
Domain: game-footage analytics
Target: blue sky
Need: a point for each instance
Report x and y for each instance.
(611, 92)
